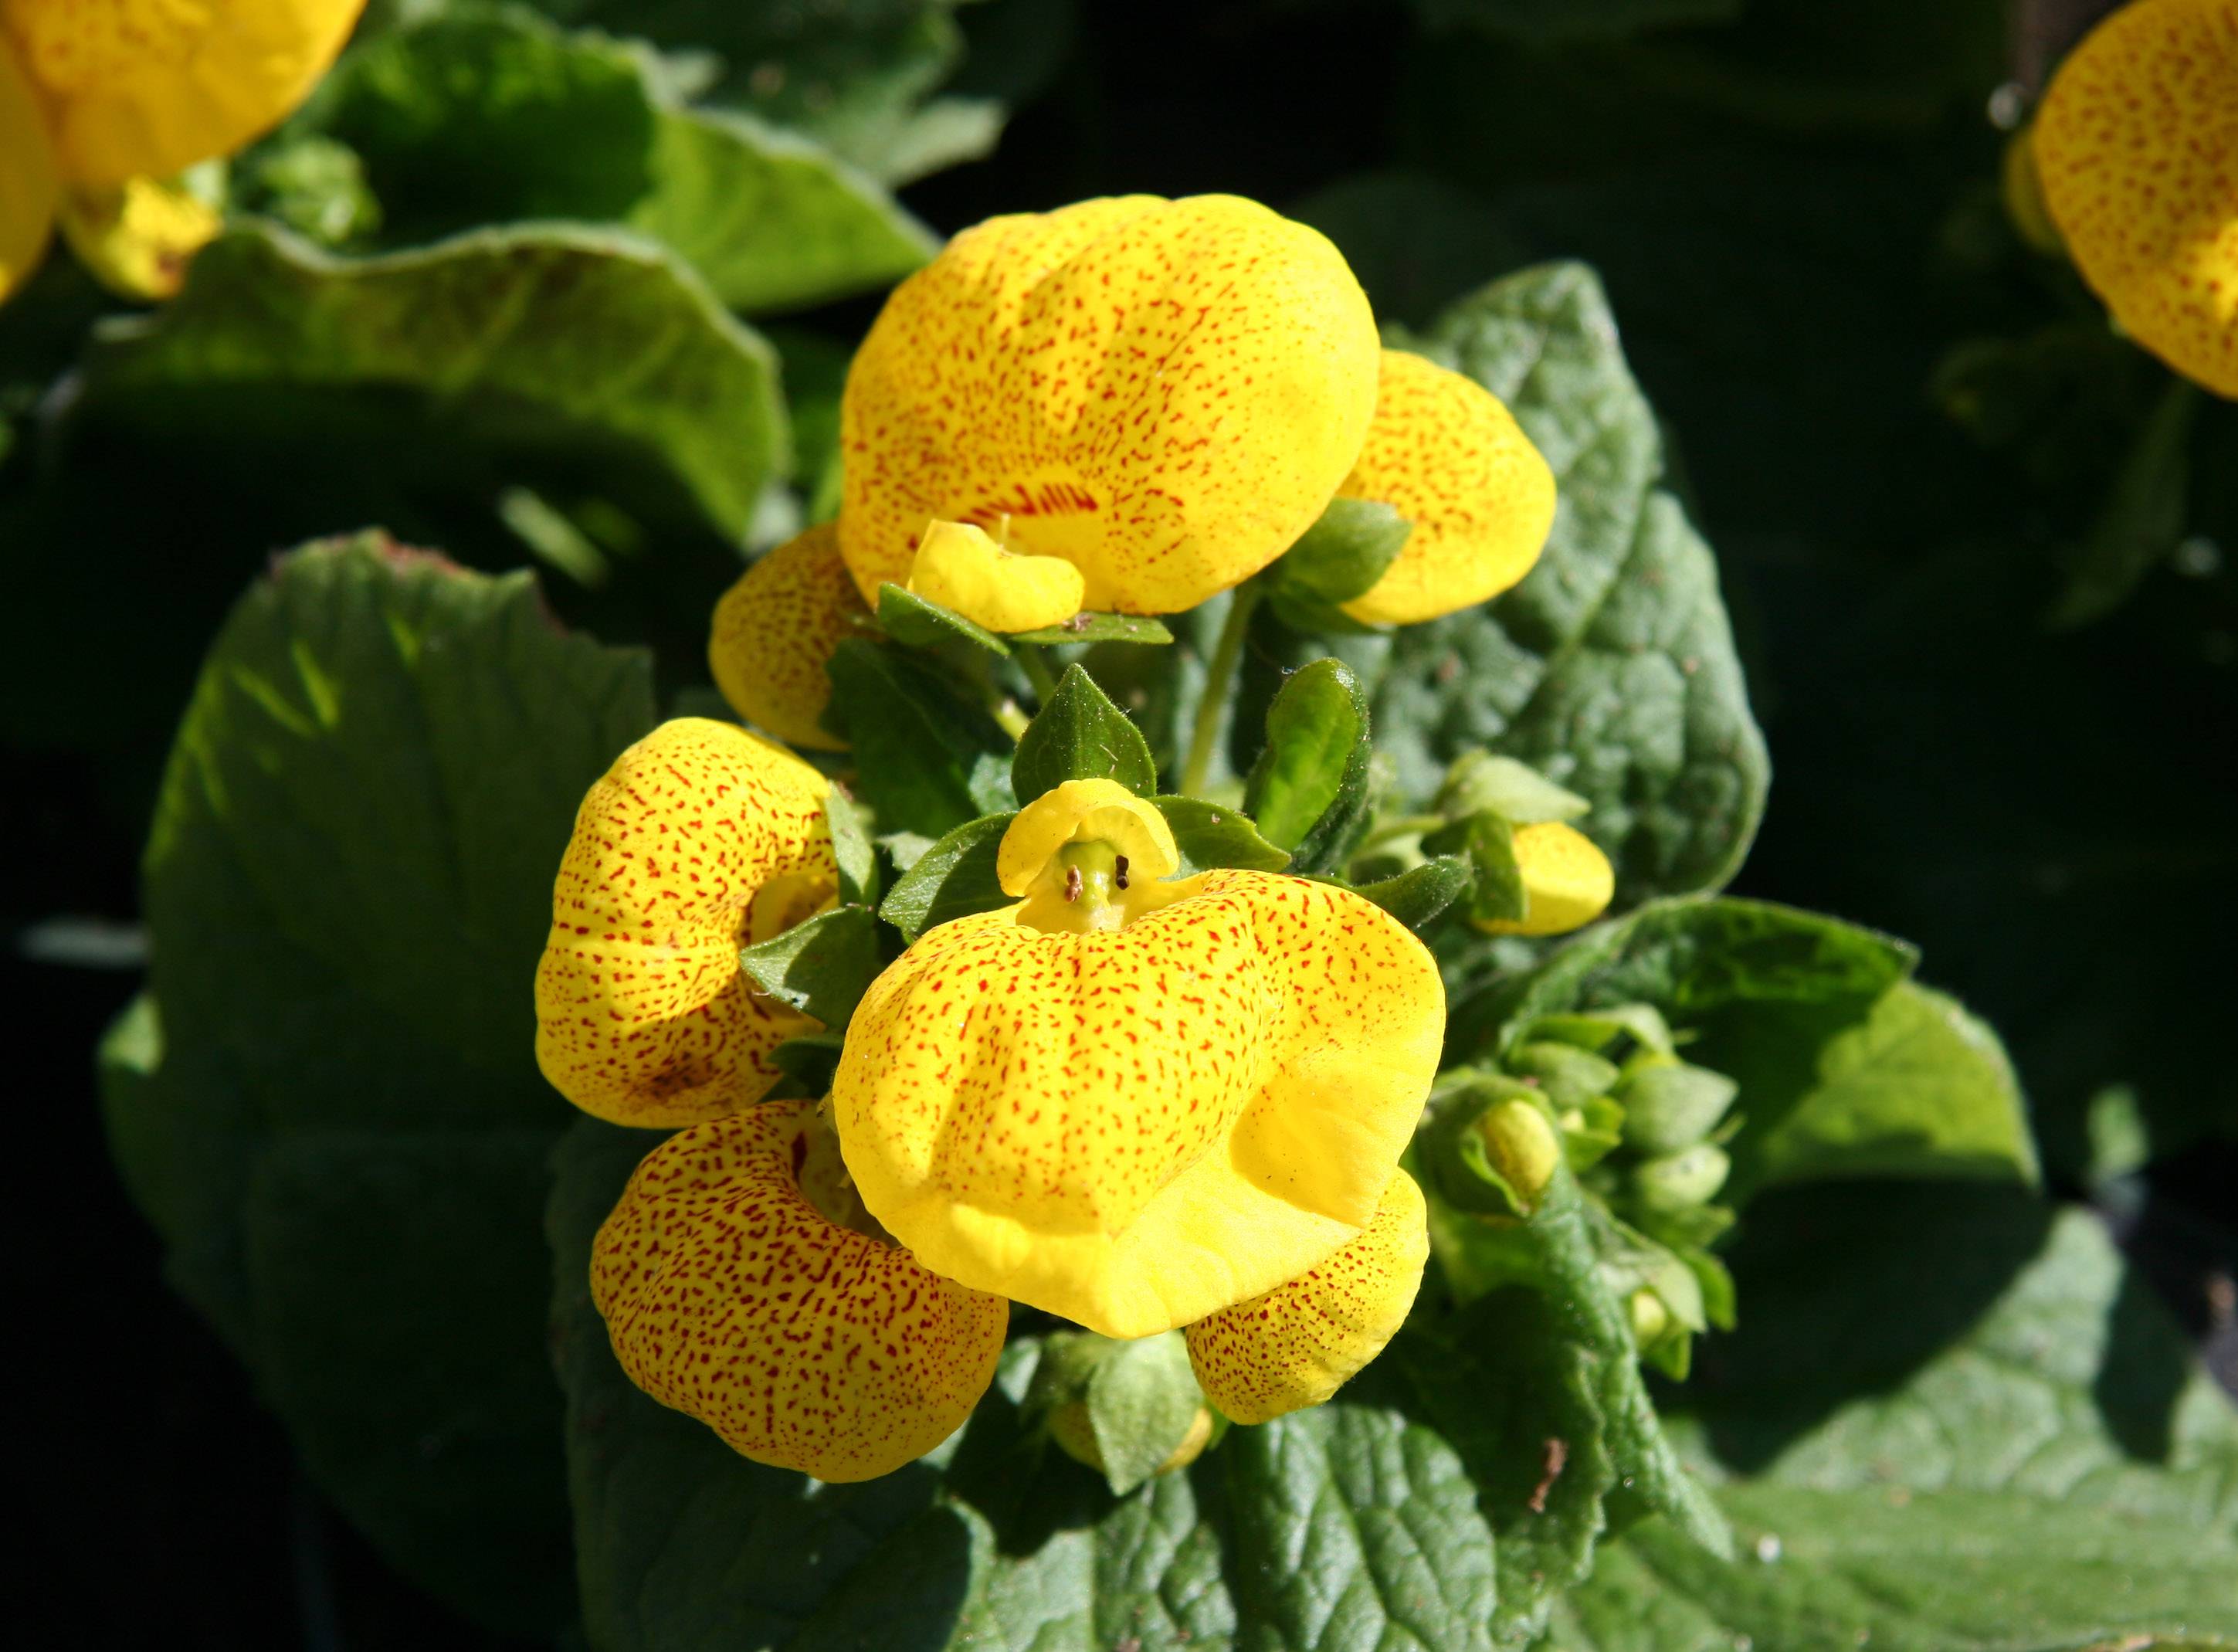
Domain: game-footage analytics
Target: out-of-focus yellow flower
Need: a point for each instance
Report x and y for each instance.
(702, 839)
(775, 630)
(1165, 394)
(2023, 193)
(733, 1292)
(95, 94)
(958, 567)
(1446, 454)
(139, 237)
(1295, 1345)
(1567, 881)
(2136, 146)
(1135, 1103)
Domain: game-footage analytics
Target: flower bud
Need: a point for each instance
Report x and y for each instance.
(1669, 1105)
(1520, 1143)
(1680, 1181)
(1650, 1319)
(1569, 1077)
(1068, 1425)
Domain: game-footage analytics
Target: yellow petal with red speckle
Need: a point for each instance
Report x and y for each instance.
(1449, 456)
(149, 87)
(643, 1014)
(729, 1295)
(29, 187)
(2137, 148)
(1300, 1342)
(1135, 1128)
(1567, 881)
(1164, 394)
(777, 628)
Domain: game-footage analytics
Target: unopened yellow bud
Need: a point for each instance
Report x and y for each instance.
(1521, 1144)
(139, 237)
(1069, 1427)
(1650, 1319)
(1567, 881)
(959, 567)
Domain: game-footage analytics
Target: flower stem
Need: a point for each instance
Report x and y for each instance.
(1219, 682)
(1029, 656)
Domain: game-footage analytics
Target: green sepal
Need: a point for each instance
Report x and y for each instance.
(1309, 788)
(820, 967)
(1489, 842)
(1142, 1397)
(1596, 1029)
(1421, 893)
(1517, 792)
(1090, 626)
(1569, 1077)
(858, 856)
(1669, 1105)
(1081, 735)
(1341, 556)
(910, 618)
(1210, 835)
(953, 878)
(1685, 1180)
(1452, 1154)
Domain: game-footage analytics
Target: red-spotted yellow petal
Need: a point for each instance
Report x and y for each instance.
(700, 839)
(28, 190)
(1449, 456)
(149, 87)
(1567, 881)
(1135, 1128)
(959, 567)
(139, 237)
(1298, 1344)
(776, 629)
(730, 1296)
(1165, 394)
(2137, 148)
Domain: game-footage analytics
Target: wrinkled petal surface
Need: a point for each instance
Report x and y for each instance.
(1136, 1128)
(139, 237)
(149, 87)
(804, 1344)
(959, 567)
(28, 190)
(1449, 456)
(1165, 394)
(643, 1014)
(1300, 1342)
(2137, 147)
(1567, 881)
(775, 631)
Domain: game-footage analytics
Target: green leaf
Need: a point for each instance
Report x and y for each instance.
(1087, 627)
(810, 1060)
(1212, 834)
(1610, 669)
(1919, 1087)
(1310, 783)
(908, 618)
(1488, 841)
(1081, 735)
(851, 848)
(465, 120)
(953, 878)
(2143, 518)
(1421, 894)
(928, 757)
(1142, 1400)
(820, 967)
(547, 354)
(1343, 553)
(329, 1107)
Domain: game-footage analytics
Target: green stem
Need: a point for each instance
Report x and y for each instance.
(1219, 683)
(1029, 656)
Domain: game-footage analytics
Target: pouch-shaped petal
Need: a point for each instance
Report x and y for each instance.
(1567, 881)
(28, 189)
(1449, 456)
(2137, 148)
(1300, 1342)
(960, 566)
(1135, 1128)
(1165, 394)
(149, 87)
(775, 631)
(804, 1344)
(700, 838)
(139, 238)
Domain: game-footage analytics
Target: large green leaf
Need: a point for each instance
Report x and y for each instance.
(329, 1106)
(1611, 668)
(487, 117)
(571, 358)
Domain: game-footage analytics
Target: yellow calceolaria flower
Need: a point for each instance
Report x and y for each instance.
(1567, 881)
(1137, 1100)
(1166, 394)
(775, 631)
(100, 99)
(2137, 148)
(701, 839)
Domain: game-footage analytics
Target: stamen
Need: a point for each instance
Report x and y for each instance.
(1072, 883)
(1119, 873)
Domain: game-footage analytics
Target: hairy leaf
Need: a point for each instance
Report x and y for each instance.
(1081, 735)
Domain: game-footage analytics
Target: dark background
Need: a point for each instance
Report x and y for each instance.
(1797, 224)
